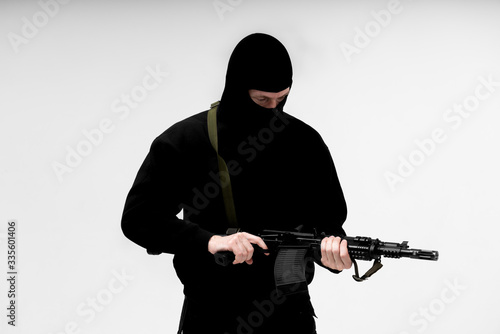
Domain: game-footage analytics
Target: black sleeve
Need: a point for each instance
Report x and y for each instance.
(150, 214)
(333, 205)
(337, 202)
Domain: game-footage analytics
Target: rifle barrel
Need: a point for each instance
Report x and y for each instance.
(420, 254)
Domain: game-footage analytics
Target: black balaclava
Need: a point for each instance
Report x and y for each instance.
(261, 62)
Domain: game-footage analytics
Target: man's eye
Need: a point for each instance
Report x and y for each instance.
(261, 99)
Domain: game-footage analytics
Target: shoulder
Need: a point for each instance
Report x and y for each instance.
(189, 132)
(301, 130)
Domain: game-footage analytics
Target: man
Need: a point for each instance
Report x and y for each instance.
(282, 176)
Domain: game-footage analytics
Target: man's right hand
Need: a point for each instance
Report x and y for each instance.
(239, 243)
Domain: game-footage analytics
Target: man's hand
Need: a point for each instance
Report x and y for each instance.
(334, 254)
(239, 243)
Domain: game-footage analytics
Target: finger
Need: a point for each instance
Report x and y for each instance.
(331, 251)
(257, 241)
(323, 251)
(336, 253)
(241, 254)
(344, 255)
(244, 250)
(247, 245)
(238, 249)
(326, 252)
(324, 257)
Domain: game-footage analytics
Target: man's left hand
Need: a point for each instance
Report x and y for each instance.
(334, 254)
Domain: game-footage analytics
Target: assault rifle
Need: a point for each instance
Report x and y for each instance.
(295, 250)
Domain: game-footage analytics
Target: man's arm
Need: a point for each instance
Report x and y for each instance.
(150, 213)
(331, 215)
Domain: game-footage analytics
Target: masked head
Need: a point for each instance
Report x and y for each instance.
(258, 63)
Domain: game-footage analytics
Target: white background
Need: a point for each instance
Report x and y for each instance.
(370, 106)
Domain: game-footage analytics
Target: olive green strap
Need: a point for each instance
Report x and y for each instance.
(376, 266)
(225, 181)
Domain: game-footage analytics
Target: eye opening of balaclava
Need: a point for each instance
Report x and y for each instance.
(259, 61)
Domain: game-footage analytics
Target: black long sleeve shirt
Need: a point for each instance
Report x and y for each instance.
(283, 176)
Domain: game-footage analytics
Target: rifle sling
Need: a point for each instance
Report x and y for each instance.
(227, 192)
(376, 266)
(224, 177)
